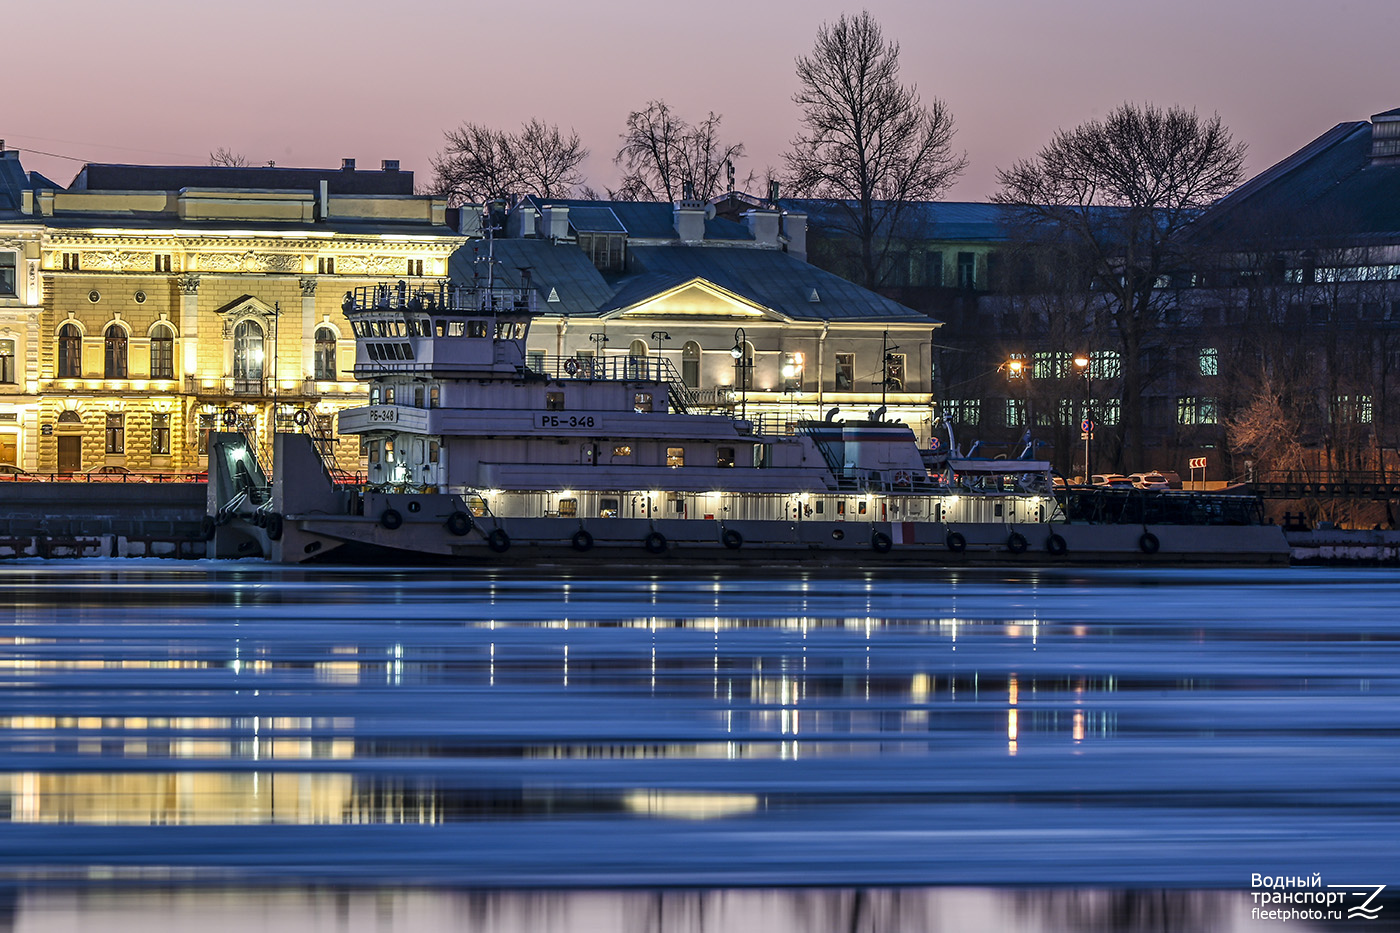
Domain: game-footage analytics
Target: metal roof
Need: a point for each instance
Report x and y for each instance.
(595, 220)
(645, 220)
(98, 176)
(767, 278)
(919, 220)
(1327, 191)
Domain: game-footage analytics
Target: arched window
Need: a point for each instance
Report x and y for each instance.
(70, 352)
(68, 416)
(637, 359)
(162, 352)
(247, 357)
(690, 364)
(114, 352)
(325, 354)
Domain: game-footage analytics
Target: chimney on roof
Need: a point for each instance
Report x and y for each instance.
(688, 216)
(763, 227)
(554, 221)
(389, 165)
(1385, 137)
(347, 165)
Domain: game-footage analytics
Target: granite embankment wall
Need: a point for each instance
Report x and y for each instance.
(101, 519)
(1344, 546)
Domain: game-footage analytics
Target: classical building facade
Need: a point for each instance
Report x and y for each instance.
(20, 305)
(727, 308)
(178, 300)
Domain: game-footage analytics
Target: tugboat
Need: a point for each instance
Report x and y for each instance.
(477, 452)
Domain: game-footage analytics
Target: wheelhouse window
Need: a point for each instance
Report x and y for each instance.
(114, 352)
(324, 366)
(675, 456)
(554, 401)
(641, 402)
(70, 352)
(162, 352)
(248, 356)
(724, 456)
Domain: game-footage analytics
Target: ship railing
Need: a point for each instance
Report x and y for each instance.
(607, 368)
(440, 297)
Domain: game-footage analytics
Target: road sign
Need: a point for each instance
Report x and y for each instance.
(1087, 425)
(933, 443)
(1086, 435)
(1198, 463)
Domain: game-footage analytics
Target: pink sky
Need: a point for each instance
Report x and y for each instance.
(307, 83)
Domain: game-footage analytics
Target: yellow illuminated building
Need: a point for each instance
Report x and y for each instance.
(173, 301)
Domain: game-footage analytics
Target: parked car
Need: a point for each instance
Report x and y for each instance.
(113, 474)
(1153, 480)
(1112, 481)
(11, 473)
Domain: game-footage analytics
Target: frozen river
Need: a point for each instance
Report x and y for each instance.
(198, 726)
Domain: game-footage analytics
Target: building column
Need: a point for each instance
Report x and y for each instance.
(308, 326)
(189, 323)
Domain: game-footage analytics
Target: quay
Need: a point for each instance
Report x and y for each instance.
(66, 519)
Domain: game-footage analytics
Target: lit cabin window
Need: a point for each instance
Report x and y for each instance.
(568, 508)
(607, 508)
(389, 458)
(675, 456)
(622, 450)
(554, 401)
(434, 451)
(860, 507)
(374, 395)
(456, 328)
(476, 328)
(678, 504)
(434, 396)
(388, 395)
(724, 456)
(476, 505)
(642, 402)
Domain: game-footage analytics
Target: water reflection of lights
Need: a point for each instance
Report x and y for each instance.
(689, 805)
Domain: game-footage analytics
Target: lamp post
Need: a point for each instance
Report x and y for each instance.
(1086, 425)
(1016, 369)
(740, 353)
(599, 338)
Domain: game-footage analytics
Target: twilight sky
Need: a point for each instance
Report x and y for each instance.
(307, 82)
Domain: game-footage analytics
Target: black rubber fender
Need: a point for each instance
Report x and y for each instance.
(1055, 545)
(956, 542)
(498, 540)
(391, 519)
(655, 543)
(732, 539)
(582, 540)
(1148, 543)
(1016, 543)
(274, 526)
(881, 542)
(459, 523)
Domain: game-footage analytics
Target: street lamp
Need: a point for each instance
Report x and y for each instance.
(1016, 369)
(740, 353)
(599, 338)
(1086, 425)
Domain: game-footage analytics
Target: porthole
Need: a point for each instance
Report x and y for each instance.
(140, 297)
(94, 296)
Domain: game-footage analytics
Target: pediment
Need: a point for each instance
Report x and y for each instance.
(246, 305)
(697, 298)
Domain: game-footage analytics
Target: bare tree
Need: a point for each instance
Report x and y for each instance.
(1124, 190)
(227, 157)
(480, 163)
(870, 145)
(664, 157)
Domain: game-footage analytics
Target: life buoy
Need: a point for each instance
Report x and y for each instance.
(391, 519)
(582, 540)
(302, 417)
(459, 523)
(732, 539)
(956, 542)
(274, 526)
(1148, 543)
(881, 542)
(571, 367)
(207, 526)
(1016, 542)
(655, 543)
(498, 541)
(1055, 545)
